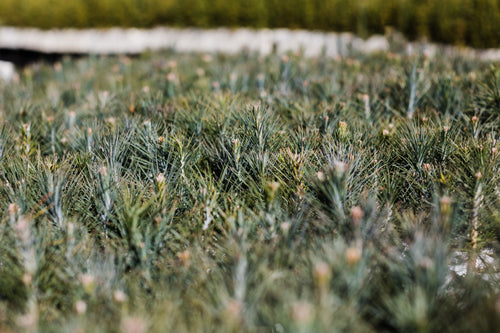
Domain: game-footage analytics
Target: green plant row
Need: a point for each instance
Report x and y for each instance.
(213, 193)
(469, 22)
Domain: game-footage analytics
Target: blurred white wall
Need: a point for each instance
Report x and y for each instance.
(231, 41)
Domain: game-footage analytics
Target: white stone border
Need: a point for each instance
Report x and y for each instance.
(264, 41)
(133, 41)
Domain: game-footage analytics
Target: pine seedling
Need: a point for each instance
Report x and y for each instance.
(25, 244)
(413, 90)
(485, 105)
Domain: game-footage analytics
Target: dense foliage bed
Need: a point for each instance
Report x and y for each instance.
(185, 192)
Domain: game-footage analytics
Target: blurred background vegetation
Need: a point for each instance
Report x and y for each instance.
(462, 22)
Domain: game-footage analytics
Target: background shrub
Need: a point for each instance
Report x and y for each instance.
(468, 22)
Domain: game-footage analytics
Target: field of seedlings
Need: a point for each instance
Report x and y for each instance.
(212, 193)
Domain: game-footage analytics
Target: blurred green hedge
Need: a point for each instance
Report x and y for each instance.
(464, 22)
